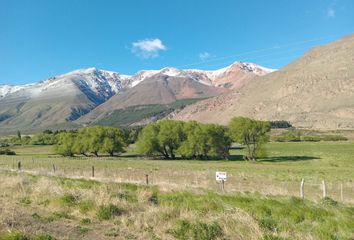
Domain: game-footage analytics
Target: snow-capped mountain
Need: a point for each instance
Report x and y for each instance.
(67, 97)
(107, 83)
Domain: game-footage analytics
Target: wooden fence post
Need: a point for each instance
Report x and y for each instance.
(147, 179)
(19, 165)
(54, 168)
(302, 188)
(93, 171)
(324, 188)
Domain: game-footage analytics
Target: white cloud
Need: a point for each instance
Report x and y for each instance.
(204, 56)
(148, 48)
(331, 13)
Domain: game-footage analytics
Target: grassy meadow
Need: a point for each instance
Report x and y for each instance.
(183, 200)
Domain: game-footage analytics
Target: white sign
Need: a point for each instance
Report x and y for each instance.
(221, 176)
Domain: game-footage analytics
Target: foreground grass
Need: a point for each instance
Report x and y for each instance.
(37, 207)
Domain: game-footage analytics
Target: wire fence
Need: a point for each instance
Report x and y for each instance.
(170, 179)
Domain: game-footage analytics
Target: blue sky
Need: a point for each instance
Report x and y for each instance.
(43, 38)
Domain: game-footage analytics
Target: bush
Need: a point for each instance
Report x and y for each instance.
(328, 201)
(7, 152)
(280, 124)
(288, 137)
(106, 212)
(69, 199)
(153, 198)
(334, 138)
(43, 139)
(310, 138)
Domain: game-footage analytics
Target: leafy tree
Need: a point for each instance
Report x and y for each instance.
(99, 139)
(65, 144)
(219, 141)
(148, 143)
(43, 139)
(170, 137)
(19, 134)
(81, 145)
(114, 140)
(196, 143)
(163, 137)
(95, 138)
(252, 133)
(190, 140)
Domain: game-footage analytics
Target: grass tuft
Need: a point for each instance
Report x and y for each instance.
(106, 212)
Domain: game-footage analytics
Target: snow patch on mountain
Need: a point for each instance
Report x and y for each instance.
(105, 84)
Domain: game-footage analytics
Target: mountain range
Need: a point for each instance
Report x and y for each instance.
(89, 95)
(315, 91)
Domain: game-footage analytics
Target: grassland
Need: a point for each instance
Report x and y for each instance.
(182, 201)
(38, 207)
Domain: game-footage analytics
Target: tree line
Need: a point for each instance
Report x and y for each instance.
(168, 139)
(92, 140)
(193, 140)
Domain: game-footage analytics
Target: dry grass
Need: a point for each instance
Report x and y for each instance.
(69, 209)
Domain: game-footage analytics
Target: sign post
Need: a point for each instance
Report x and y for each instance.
(221, 177)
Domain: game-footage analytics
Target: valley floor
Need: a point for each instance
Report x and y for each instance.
(182, 200)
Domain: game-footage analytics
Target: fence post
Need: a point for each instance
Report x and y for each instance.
(19, 165)
(147, 179)
(324, 188)
(341, 192)
(54, 168)
(93, 171)
(302, 188)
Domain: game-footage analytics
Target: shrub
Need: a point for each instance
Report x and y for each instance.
(7, 152)
(280, 124)
(69, 199)
(310, 138)
(328, 201)
(154, 198)
(106, 212)
(334, 138)
(288, 137)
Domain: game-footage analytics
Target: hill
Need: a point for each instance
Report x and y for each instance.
(315, 91)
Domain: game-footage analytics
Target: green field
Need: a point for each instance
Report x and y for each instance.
(279, 173)
(183, 200)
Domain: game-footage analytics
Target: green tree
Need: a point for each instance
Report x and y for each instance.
(65, 144)
(95, 139)
(81, 144)
(163, 138)
(19, 135)
(219, 141)
(114, 140)
(43, 139)
(251, 133)
(148, 143)
(170, 137)
(196, 143)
